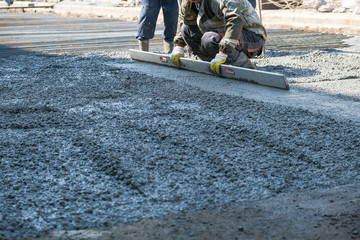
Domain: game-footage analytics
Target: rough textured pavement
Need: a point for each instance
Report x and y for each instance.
(92, 141)
(86, 144)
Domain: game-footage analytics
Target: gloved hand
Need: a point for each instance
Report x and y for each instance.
(219, 59)
(176, 54)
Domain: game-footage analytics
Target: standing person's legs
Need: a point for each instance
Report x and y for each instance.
(170, 10)
(253, 3)
(147, 23)
(9, 2)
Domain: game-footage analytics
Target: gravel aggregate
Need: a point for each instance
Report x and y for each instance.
(85, 142)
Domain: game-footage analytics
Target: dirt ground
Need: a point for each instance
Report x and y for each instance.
(319, 214)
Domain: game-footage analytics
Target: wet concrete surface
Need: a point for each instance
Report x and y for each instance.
(90, 138)
(36, 32)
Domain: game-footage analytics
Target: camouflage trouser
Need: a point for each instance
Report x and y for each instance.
(206, 45)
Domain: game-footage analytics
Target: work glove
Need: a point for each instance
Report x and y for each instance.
(219, 59)
(176, 54)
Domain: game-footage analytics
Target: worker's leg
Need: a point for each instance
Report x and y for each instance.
(253, 3)
(148, 17)
(192, 36)
(170, 11)
(210, 44)
(9, 2)
(249, 45)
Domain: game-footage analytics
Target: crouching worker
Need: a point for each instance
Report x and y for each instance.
(219, 31)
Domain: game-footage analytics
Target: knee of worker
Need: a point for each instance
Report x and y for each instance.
(190, 32)
(149, 13)
(192, 36)
(185, 31)
(210, 43)
(145, 33)
(150, 5)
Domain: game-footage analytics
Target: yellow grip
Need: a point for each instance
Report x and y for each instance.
(215, 67)
(176, 59)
